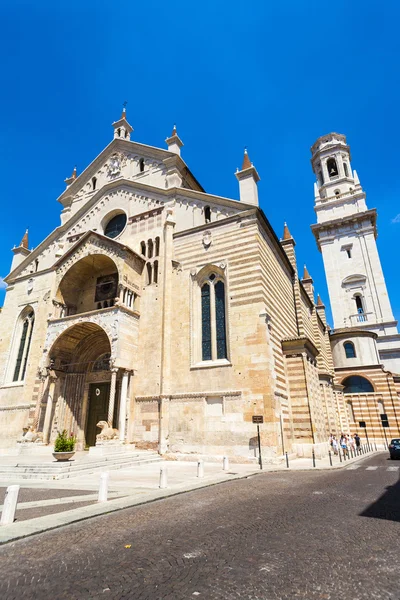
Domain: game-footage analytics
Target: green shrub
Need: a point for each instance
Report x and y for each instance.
(64, 443)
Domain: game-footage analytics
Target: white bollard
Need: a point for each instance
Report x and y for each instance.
(200, 469)
(10, 505)
(103, 489)
(163, 478)
(225, 463)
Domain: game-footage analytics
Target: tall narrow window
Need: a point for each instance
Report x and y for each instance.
(381, 407)
(149, 270)
(220, 319)
(23, 347)
(150, 248)
(360, 308)
(350, 350)
(346, 169)
(94, 183)
(141, 165)
(214, 341)
(143, 248)
(206, 322)
(157, 246)
(207, 214)
(155, 271)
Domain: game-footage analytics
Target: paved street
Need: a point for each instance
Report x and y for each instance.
(285, 535)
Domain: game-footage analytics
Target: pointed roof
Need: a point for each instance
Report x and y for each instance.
(319, 301)
(246, 161)
(123, 115)
(286, 233)
(24, 242)
(306, 274)
(174, 132)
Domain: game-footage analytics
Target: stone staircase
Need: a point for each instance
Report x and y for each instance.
(53, 470)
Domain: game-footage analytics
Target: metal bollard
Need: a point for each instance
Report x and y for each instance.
(103, 488)
(163, 478)
(340, 456)
(10, 505)
(287, 460)
(330, 457)
(313, 457)
(225, 463)
(375, 448)
(200, 468)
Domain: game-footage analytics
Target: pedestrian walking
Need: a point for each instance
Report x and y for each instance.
(343, 445)
(335, 445)
(357, 441)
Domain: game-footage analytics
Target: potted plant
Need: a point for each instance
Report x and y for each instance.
(64, 446)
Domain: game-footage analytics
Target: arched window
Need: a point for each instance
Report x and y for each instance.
(149, 248)
(155, 271)
(115, 226)
(355, 384)
(359, 304)
(346, 169)
(213, 319)
(350, 350)
(25, 329)
(207, 214)
(157, 247)
(94, 182)
(381, 407)
(119, 131)
(332, 168)
(149, 270)
(350, 411)
(141, 165)
(143, 248)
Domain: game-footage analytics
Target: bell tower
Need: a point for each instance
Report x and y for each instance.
(346, 235)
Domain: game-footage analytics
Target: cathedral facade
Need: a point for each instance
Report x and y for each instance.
(174, 315)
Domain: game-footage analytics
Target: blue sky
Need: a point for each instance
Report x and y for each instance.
(272, 76)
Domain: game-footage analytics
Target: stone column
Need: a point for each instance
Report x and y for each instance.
(122, 405)
(49, 408)
(111, 403)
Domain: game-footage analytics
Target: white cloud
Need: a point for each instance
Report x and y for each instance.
(396, 219)
(3, 284)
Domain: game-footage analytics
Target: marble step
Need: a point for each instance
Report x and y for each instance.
(50, 472)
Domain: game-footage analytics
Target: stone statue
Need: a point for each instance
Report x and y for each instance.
(107, 433)
(30, 436)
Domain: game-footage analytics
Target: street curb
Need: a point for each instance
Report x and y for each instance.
(24, 529)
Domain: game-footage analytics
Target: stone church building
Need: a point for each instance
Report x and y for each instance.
(176, 316)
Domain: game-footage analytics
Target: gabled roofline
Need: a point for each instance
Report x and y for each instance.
(130, 146)
(100, 236)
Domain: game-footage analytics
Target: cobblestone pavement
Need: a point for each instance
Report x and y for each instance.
(287, 536)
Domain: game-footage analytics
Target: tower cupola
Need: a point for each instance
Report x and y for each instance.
(122, 129)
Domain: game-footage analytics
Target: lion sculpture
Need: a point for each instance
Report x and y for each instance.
(107, 432)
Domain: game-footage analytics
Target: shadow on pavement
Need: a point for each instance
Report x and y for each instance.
(387, 506)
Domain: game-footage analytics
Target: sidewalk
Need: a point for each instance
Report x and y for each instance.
(46, 505)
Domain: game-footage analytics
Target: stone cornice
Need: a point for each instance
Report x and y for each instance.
(188, 395)
(299, 345)
(351, 332)
(334, 224)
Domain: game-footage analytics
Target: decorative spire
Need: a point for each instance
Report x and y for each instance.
(246, 161)
(319, 301)
(306, 274)
(123, 115)
(174, 142)
(25, 242)
(286, 233)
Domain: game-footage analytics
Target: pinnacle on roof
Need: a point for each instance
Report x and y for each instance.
(174, 132)
(319, 301)
(306, 274)
(73, 176)
(286, 233)
(246, 161)
(123, 115)
(24, 242)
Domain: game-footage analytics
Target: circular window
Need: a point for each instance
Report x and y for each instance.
(115, 226)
